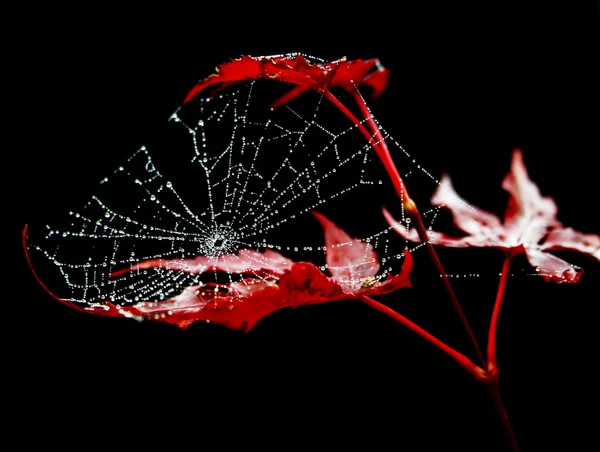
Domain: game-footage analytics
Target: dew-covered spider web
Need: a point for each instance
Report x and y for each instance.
(227, 175)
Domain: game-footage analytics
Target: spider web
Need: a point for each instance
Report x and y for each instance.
(227, 175)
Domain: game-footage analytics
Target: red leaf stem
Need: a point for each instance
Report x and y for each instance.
(491, 347)
(380, 147)
(477, 372)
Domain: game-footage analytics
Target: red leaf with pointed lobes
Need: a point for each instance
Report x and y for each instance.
(297, 70)
(268, 282)
(530, 225)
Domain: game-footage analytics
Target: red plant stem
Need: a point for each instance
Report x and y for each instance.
(491, 376)
(383, 153)
(492, 365)
(380, 147)
(491, 346)
(477, 372)
(446, 281)
(499, 405)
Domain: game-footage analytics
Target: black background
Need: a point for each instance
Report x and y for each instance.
(468, 84)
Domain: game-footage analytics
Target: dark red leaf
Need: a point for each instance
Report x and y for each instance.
(268, 282)
(297, 70)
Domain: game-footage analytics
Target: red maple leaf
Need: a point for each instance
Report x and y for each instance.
(530, 225)
(297, 70)
(267, 281)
